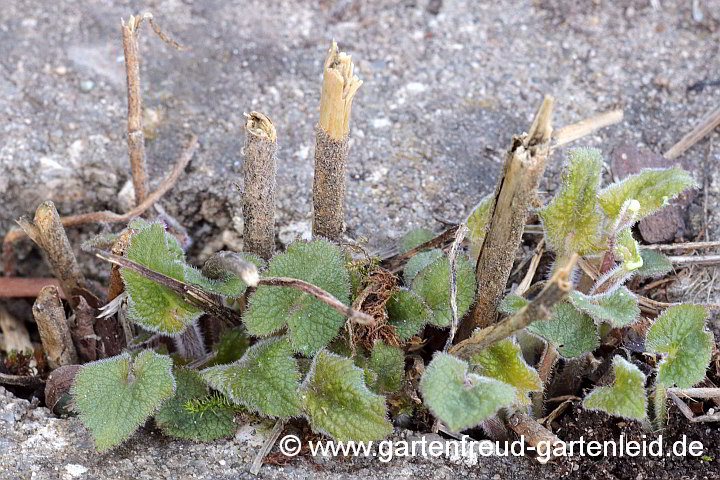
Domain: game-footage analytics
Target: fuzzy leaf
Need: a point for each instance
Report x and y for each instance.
(388, 363)
(572, 332)
(115, 396)
(339, 403)
(433, 285)
(625, 397)
(476, 223)
(503, 361)
(407, 312)
(618, 307)
(458, 398)
(418, 262)
(680, 334)
(652, 188)
(572, 220)
(311, 323)
(660, 410)
(175, 420)
(265, 380)
(627, 250)
(655, 264)
(151, 305)
(415, 238)
(512, 303)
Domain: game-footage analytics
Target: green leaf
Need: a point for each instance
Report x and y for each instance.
(311, 322)
(655, 264)
(680, 334)
(572, 332)
(177, 421)
(627, 250)
(151, 305)
(407, 312)
(503, 361)
(625, 397)
(476, 224)
(572, 220)
(418, 262)
(458, 398)
(231, 346)
(265, 380)
(433, 285)
(388, 363)
(660, 406)
(617, 307)
(512, 303)
(116, 395)
(339, 403)
(415, 238)
(652, 188)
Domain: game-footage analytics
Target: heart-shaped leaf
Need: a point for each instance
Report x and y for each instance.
(458, 398)
(433, 285)
(617, 307)
(625, 397)
(407, 312)
(571, 331)
(116, 395)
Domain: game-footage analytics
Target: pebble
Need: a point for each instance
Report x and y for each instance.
(86, 86)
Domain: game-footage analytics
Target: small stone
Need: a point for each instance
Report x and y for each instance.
(61, 70)
(86, 86)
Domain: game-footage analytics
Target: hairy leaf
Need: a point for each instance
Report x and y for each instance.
(433, 285)
(680, 334)
(655, 264)
(458, 398)
(571, 331)
(265, 380)
(476, 223)
(512, 303)
(311, 323)
(388, 363)
(415, 238)
(572, 220)
(652, 188)
(418, 262)
(503, 361)
(617, 307)
(116, 395)
(627, 250)
(625, 397)
(177, 421)
(660, 406)
(151, 305)
(339, 403)
(407, 312)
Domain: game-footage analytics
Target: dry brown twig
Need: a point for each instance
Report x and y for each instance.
(15, 335)
(331, 147)
(706, 125)
(55, 334)
(17, 287)
(259, 185)
(524, 167)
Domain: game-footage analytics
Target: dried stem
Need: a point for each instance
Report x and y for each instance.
(573, 132)
(48, 232)
(107, 216)
(12, 287)
(53, 327)
(331, 144)
(705, 126)
(136, 137)
(683, 246)
(317, 292)
(15, 335)
(524, 166)
(267, 446)
(452, 256)
(259, 185)
(21, 380)
(535, 435)
(556, 290)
